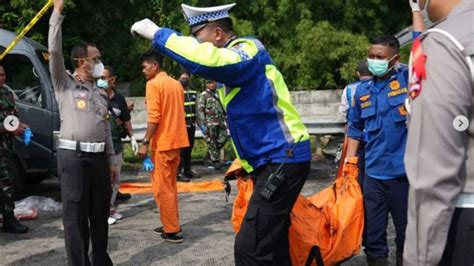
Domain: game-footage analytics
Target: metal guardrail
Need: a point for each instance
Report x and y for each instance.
(325, 126)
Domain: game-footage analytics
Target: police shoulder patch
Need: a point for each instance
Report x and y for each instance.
(395, 85)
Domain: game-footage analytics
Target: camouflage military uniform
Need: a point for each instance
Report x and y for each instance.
(7, 107)
(211, 116)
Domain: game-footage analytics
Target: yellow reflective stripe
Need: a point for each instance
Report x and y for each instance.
(230, 96)
(190, 115)
(189, 103)
(244, 163)
(205, 54)
(190, 91)
(221, 96)
(291, 118)
(225, 99)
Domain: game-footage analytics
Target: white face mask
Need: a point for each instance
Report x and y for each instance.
(97, 70)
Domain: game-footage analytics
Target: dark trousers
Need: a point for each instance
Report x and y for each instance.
(185, 164)
(85, 192)
(361, 163)
(380, 198)
(459, 249)
(7, 205)
(263, 236)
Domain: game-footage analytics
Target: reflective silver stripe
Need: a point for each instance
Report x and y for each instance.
(190, 115)
(281, 120)
(465, 200)
(93, 147)
(189, 103)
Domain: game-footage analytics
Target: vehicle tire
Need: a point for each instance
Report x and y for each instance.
(17, 174)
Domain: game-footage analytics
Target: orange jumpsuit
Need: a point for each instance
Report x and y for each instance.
(165, 101)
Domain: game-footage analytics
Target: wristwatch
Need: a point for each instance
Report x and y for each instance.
(145, 142)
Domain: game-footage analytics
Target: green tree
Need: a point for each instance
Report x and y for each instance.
(315, 44)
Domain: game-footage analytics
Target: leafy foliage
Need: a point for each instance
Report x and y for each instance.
(316, 44)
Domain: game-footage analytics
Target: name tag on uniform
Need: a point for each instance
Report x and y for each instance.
(81, 100)
(364, 98)
(397, 92)
(366, 104)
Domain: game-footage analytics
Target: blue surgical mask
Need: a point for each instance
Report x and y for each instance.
(379, 67)
(103, 84)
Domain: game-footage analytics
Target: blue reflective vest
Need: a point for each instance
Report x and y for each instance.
(263, 123)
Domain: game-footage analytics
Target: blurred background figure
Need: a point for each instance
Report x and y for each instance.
(7, 205)
(121, 127)
(212, 121)
(184, 172)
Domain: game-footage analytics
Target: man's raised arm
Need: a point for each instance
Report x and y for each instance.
(55, 47)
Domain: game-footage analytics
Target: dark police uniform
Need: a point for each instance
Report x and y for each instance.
(190, 97)
(379, 111)
(84, 148)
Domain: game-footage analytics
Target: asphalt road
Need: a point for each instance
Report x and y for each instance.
(205, 219)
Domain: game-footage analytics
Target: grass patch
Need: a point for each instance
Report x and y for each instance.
(200, 150)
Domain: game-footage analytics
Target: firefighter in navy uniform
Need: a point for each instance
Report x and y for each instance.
(185, 173)
(378, 115)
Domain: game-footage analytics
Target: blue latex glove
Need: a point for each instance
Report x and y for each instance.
(27, 136)
(148, 165)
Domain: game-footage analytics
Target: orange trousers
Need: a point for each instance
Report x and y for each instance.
(165, 191)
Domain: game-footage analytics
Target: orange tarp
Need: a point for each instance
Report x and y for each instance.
(201, 186)
(332, 219)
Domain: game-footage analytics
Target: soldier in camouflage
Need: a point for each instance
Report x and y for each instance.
(212, 121)
(7, 205)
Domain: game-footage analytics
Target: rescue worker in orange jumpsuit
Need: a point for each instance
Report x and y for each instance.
(165, 135)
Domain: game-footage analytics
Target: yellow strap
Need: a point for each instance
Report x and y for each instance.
(27, 28)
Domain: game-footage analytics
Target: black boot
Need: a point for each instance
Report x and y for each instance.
(123, 196)
(190, 174)
(182, 178)
(11, 225)
(377, 261)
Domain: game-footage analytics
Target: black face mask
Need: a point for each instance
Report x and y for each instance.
(184, 82)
